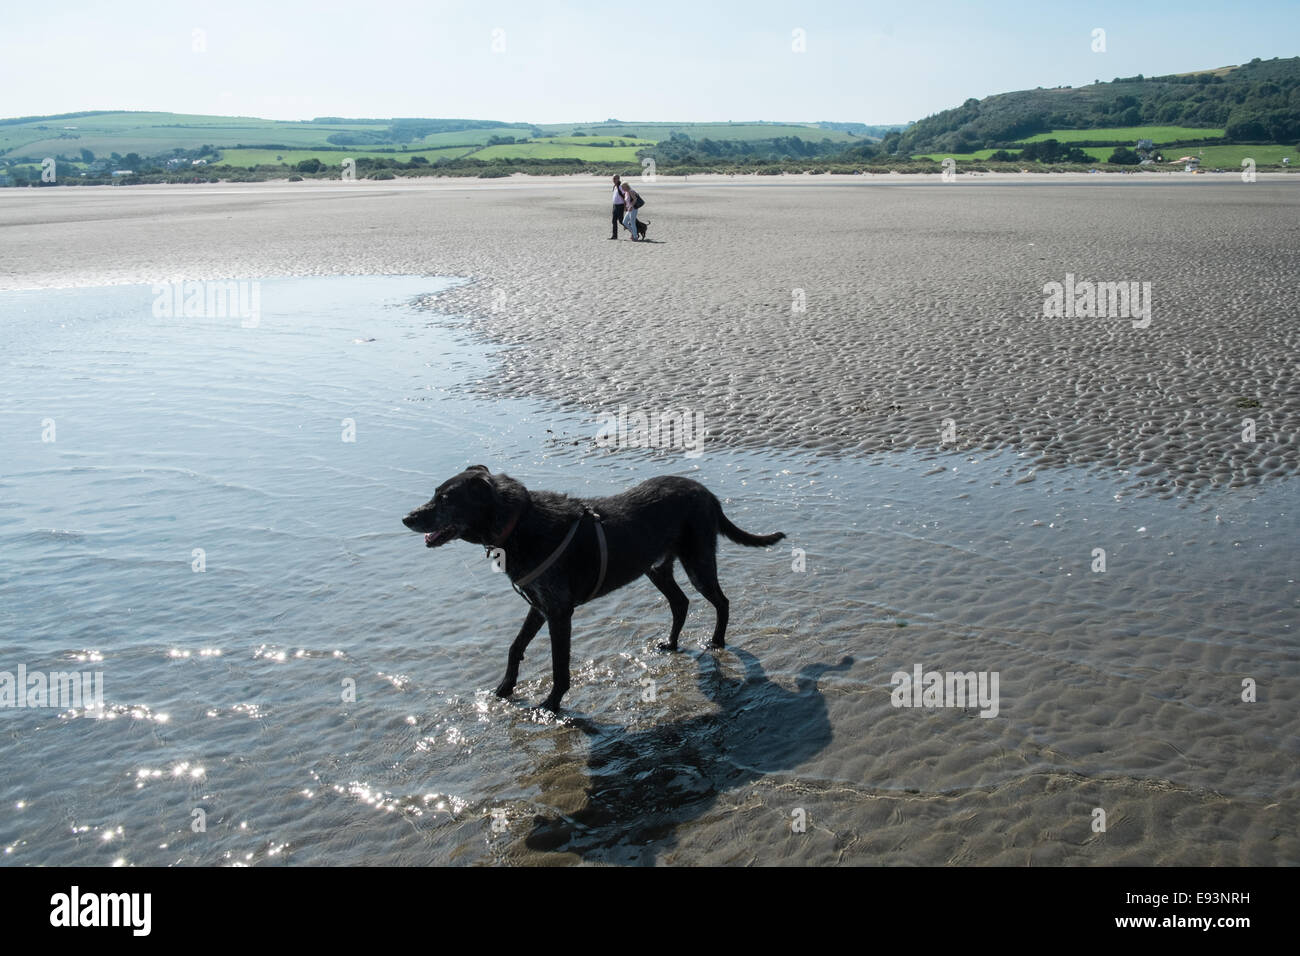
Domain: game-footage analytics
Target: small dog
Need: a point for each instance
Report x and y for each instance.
(560, 552)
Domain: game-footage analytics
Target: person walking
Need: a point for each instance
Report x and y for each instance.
(618, 208)
(630, 201)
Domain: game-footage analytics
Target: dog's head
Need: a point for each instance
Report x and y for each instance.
(464, 506)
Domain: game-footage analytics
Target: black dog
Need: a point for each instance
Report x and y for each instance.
(560, 552)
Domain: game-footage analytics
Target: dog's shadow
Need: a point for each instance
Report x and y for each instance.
(645, 784)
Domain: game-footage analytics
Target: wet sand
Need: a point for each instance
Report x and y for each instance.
(922, 301)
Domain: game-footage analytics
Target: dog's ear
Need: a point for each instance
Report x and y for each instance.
(482, 468)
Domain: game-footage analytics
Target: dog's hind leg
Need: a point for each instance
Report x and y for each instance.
(701, 566)
(532, 624)
(559, 625)
(662, 576)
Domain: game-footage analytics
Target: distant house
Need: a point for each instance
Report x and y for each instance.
(1193, 164)
(124, 172)
(199, 162)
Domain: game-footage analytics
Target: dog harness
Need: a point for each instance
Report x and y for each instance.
(538, 571)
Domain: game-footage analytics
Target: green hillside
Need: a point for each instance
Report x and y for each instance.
(1258, 102)
(550, 149)
(722, 131)
(1222, 116)
(333, 155)
(151, 134)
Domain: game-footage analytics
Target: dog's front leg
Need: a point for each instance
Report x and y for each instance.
(559, 623)
(532, 624)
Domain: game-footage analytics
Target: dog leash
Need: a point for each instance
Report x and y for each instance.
(541, 569)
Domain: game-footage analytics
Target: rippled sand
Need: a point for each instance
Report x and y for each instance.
(923, 300)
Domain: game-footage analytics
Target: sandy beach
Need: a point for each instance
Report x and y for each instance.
(878, 379)
(922, 300)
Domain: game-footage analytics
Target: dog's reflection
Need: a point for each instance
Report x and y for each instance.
(645, 784)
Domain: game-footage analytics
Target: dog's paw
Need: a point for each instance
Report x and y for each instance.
(665, 646)
(504, 690)
(552, 704)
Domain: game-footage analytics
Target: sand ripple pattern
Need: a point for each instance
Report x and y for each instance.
(925, 304)
(924, 300)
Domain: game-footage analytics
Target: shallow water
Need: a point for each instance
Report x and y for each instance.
(225, 687)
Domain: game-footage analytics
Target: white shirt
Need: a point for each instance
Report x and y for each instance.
(618, 197)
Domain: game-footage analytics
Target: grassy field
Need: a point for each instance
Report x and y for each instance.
(152, 133)
(291, 157)
(960, 157)
(559, 147)
(741, 131)
(1230, 157)
(1127, 135)
(473, 137)
(551, 150)
(599, 140)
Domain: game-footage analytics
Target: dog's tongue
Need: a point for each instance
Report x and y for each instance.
(433, 539)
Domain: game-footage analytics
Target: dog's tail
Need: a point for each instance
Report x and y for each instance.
(744, 537)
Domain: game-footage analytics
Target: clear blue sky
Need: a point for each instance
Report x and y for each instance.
(864, 61)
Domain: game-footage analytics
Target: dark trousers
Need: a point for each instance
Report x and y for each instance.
(619, 209)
